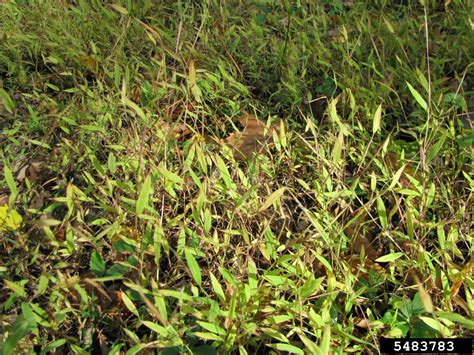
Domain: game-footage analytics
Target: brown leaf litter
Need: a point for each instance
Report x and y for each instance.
(252, 139)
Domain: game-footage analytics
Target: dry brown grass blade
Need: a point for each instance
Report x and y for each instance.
(98, 287)
(151, 307)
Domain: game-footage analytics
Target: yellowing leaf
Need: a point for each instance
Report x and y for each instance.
(389, 257)
(213, 328)
(224, 171)
(9, 219)
(10, 180)
(217, 287)
(7, 101)
(128, 303)
(16, 288)
(192, 74)
(138, 110)
(119, 8)
(170, 176)
(156, 327)
(208, 336)
(389, 25)
(197, 93)
(435, 324)
(396, 176)
(376, 120)
(382, 213)
(422, 80)
(334, 117)
(326, 340)
(274, 196)
(336, 151)
(192, 82)
(287, 348)
(425, 299)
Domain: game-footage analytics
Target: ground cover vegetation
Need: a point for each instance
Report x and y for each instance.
(234, 176)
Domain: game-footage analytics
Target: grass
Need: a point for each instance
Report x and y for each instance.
(128, 229)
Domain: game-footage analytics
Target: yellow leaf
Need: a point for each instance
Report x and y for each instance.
(425, 299)
(377, 119)
(9, 219)
(274, 196)
(138, 110)
(389, 25)
(192, 74)
(119, 8)
(338, 146)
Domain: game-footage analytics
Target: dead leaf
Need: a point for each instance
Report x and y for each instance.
(3, 199)
(424, 296)
(180, 131)
(252, 139)
(22, 173)
(362, 268)
(153, 310)
(97, 286)
(463, 304)
(89, 62)
(103, 340)
(361, 242)
(362, 323)
(30, 171)
(136, 93)
(64, 3)
(177, 131)
(455, 287)
(38, 200)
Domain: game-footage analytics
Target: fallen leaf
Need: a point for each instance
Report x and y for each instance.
(38, 200)
(463, 304)
(177, 131)
(362, 323)
(89, 62)
(252, 139)
(3, 199)
(22, 173)
(361, 242)
(180, 131)
(29, 171)
(361, 268)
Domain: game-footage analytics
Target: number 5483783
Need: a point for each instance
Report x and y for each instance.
(423, 345)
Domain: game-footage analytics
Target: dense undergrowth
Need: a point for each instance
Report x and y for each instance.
(127, 228)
